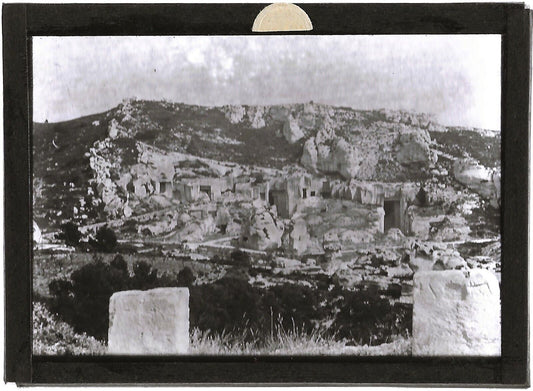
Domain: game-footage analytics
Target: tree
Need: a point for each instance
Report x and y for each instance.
(70, 233)
(186, 277)
(422, 197)
(106, 239)
(240, 258)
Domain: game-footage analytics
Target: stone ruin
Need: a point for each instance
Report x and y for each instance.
(149, 322)
(456, 313)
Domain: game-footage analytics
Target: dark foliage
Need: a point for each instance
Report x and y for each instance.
(106, 240)
(422, 197)
(186, 277)
(70, 233)
(231, 304)
(240, 259)
(460, 142)
(83, 302)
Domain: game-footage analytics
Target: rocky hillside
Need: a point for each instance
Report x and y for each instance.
(79, 165)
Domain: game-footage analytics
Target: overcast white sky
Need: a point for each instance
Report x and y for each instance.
(455, 77)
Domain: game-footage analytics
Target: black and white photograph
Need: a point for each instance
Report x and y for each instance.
(291, 195)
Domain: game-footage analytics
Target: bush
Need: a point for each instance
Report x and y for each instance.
(421, 197)
(186, 277)
(232, 305)
(83, 302)
(53, 337)
(240, 259)
(70, 233)
(106, 240)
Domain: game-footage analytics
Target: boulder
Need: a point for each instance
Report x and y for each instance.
(291, 130)
(456, 313)
(149, 322)
(127, 211)
(401, 271)
(329, 153)
(449, 228)
(448, 260)
(414, 148)
(297, 240)
(482, 180)
(262, 231)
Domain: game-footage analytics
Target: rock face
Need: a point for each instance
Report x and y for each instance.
(482, 180)
(335, 155)
(456, 313)
(297, 240)
(149, 322)
(361, 153)
(291, 131)
(234, 114)
(414, 148)
(262, 231)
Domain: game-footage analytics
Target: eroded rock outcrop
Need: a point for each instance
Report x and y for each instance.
(262, 231)
(413, 147)
(354, 156)
(480, 179)
(330, 154)
(292, 131)
(296, 239)
(234, 114)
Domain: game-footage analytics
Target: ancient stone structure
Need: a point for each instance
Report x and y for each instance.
(394, 198)
(286, 193)
(190, 190)
(149, 322)
(163, 185)
(456, 313)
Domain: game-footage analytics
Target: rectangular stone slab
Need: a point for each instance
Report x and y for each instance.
(456, 313)
(153, 322)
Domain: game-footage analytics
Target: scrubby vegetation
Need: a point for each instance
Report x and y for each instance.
(460, 143)
(106, 239)
(54, 337)
(70, 234)
(290, 342)
(233, 307)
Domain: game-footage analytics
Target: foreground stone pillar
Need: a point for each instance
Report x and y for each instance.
(456, 313)
(149, 322)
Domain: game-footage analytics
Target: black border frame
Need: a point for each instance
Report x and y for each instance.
(21, 21)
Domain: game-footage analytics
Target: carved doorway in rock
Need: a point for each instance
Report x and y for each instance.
(392, 214)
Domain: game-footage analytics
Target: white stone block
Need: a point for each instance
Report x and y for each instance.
(149, 322)
(456, 313)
